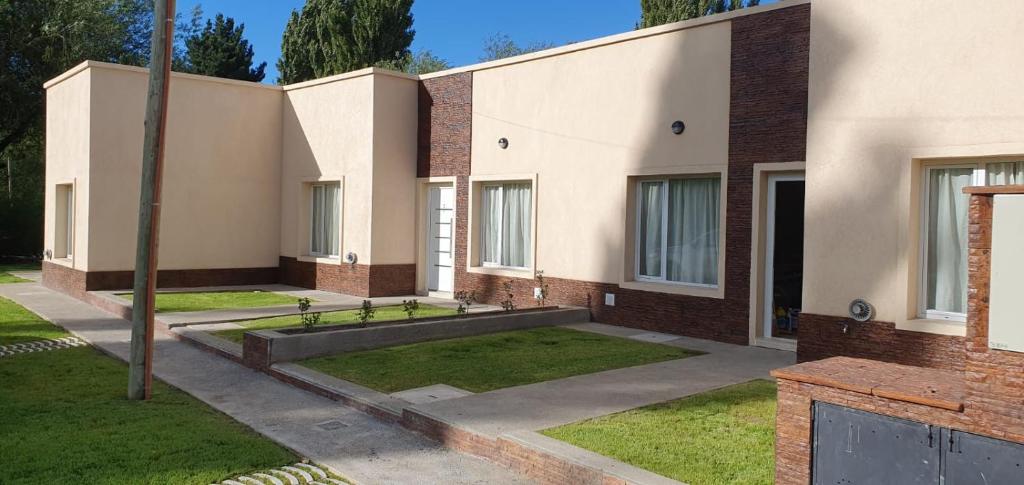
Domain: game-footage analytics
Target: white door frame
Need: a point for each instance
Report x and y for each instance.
(423, 185)
(768, 311)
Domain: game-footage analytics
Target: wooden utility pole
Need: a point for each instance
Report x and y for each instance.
(140, 364)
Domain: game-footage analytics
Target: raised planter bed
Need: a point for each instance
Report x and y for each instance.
(262, 348)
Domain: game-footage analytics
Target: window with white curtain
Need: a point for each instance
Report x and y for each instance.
(944, 232)
(677, 230)
(505, 223)
(64, 230)
(325, 213)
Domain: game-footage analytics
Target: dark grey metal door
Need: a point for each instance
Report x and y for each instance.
(854, 447)
(972, 459)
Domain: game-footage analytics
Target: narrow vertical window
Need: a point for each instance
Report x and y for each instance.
(945, 247)
(506, 212)
(678, 230)
(324, 219)
(64, 221)
(69, 228)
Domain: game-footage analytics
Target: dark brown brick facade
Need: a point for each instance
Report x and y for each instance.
(822, 336)
(352, 279)
(76, 282)
(445, 125)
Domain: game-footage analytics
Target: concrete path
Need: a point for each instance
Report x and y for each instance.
(361, 448)
(31, 275)
(539, 406)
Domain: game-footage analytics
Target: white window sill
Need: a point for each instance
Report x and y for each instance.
(502, 271)
(938, 327)
(675, 288)
(319, 259)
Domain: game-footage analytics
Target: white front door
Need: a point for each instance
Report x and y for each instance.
(440, 237)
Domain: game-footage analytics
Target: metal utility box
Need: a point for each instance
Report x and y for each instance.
(1006, 301)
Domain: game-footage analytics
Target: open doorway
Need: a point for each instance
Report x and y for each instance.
(784, 257)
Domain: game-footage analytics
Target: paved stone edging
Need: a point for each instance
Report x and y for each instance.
(297, 474)
(41, 346)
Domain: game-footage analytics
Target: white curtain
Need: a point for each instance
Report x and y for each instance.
(693, 217)
(490, 224)
(316, 238)
(325, 220)
(947, 239)
(517, 202)
(649, 245)
(332, 205)
(1005, 173)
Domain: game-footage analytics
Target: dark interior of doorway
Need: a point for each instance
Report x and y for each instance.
(788, 260)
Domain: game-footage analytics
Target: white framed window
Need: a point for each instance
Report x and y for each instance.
(325, 215)
(677, 230)
(64, 233)
(506, 217)
(944, 239)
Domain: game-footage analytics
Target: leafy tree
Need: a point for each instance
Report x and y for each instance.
(425, 62)
(334, 36)
(500, 46)
(219, 50)
(39, 39)
(658, 12)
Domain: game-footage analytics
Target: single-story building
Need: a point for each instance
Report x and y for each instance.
(740, 177)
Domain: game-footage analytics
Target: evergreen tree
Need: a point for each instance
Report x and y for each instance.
(658, 12)
(425, 62)
(334, 36)
(220, 50)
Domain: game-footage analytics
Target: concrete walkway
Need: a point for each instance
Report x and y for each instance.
(354, 445)
(539, 406)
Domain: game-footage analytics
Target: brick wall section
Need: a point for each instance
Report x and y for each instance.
(821, 336)
(445, 125)
(352, 279)
(76, 282)
(994, 378)
(256, 351)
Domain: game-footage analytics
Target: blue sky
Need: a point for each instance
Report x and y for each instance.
(452, 29)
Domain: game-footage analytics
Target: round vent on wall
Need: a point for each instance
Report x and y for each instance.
(351, 258)
(861, 310)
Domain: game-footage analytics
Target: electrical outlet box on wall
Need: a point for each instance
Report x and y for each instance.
(1006, 323)
(609, 299)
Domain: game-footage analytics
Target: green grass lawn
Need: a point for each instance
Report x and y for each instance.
(494, 361)
(195, 301)
(331, 318)
(724, 436)
(20, 325)
(64, 419)
(6, 277)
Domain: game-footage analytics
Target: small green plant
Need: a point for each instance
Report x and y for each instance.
(410, 307)
(309, 319)
(507, 303)
(542, 289)
(366, 312)
(465, 299)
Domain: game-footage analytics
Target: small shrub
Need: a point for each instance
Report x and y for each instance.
(542, 296)
(465, 299)
(410, 307)
(366, 312)
(507, 303)
(309, 319)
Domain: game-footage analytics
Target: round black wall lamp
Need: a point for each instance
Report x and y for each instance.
(678, 127)
(503, 143)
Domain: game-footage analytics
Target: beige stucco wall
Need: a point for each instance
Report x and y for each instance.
(395, 125)
(327, 136)
(67, 160)
(886, 91)
(583, 122)
(221, 172)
